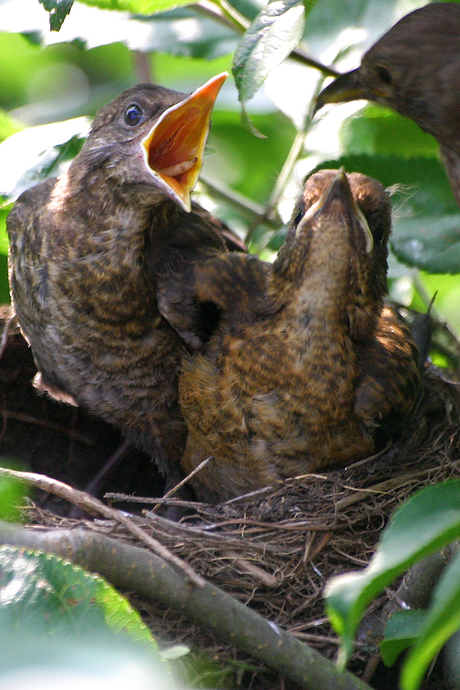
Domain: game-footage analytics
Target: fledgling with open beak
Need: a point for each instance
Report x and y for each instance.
(98, 256)
(414, 69)
(320, 367)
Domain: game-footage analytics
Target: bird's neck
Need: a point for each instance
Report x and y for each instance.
(97, 231)
(100, 204)
(326, 306)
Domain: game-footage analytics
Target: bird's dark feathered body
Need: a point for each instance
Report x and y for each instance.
(415, 69)
(92, 255)
(319, 363)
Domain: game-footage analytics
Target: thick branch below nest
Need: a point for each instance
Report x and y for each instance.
(135, 569)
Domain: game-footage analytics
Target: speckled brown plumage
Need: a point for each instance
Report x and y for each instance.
(95, 256)
(319, 364)
(415, 69)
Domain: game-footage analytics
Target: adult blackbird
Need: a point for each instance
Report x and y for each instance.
(318, 365)
(96, 256)
(414, 69)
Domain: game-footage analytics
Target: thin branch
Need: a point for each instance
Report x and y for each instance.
(224, 14)
(35, 421)
(94, 506)
(142, 67)
(245, 206)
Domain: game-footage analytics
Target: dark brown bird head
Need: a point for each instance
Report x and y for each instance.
(154, 137)
(338, 243)
(414, 69)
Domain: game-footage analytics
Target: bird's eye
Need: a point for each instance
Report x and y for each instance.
(133, 114)
(298, 213)
(379, 234)
(298, 217)
(384, 75)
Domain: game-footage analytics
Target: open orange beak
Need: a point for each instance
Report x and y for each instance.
(174, 147)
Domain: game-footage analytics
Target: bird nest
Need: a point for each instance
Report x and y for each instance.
(276, 548)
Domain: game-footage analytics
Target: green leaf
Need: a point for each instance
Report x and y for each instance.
(400, 632)
(58, 9)
(427, 522)
(442, 621)
(236, 152)
(59, 598)
(137, 6)
(268, 41)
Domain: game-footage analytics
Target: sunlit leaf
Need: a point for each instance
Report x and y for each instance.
(181, 31)
(3, 236)
(8, 126)
(12, 495)
(137, 6)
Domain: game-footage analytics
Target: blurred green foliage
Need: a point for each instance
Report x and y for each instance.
(50, 80)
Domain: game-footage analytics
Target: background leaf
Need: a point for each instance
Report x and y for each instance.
(429, 242)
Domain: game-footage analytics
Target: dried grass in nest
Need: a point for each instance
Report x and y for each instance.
(276, 549)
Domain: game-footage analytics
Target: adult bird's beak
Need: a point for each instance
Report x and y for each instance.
(345, 88)
(174, 147)
(337, 201)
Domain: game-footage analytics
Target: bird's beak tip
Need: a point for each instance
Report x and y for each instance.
(340, 191)
(174, 147)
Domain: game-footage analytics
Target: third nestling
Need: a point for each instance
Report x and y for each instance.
(415, 69)
(303, 375)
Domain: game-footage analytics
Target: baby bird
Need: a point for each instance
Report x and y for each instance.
(318, 364)
(96, 256)
(414, 69)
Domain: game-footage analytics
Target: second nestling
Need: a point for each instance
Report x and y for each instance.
(317, 364)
